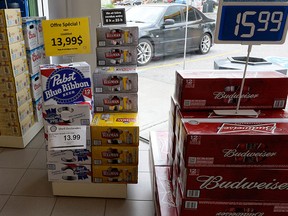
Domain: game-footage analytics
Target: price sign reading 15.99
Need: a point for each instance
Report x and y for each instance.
(67, 36)
(251, 22)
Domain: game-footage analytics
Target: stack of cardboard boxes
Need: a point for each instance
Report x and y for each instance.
(16, 108)
(225, 165)
(115, 127)
(34, 44)
(67, 114)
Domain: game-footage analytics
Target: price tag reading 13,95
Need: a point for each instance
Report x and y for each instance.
(66, 36)
(66, 137)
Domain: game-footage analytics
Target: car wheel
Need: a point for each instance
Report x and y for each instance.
(144, 52)
(205, 44)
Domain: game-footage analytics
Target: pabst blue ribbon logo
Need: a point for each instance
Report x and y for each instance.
(66, 85)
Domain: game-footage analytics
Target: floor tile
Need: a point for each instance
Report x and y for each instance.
(37, 141)
(40, 160)
(28, 206)
(142, 190)
(34, 183)
(9, 179)
(120, 207)
(143, 161)
(162, 126)
(17, 158)
(79, 206)
(3, 200)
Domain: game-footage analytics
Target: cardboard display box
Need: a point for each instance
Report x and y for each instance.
(11, 35)
(10, 17)
(13, 51)
(13, 68)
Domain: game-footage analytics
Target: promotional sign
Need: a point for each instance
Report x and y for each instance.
(115, 16)
(251, 22)
(66, 137)
(67, 36)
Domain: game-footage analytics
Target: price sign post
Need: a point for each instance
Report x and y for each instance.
(250, 23)
(67, 36)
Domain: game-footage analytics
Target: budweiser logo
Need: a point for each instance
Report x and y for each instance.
(240, 214)
(235, 153)
(235, 95)
(215, 182)
(249, 127)
(106, 134)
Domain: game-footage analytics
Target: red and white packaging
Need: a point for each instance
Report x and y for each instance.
(220, 89)
(30, 32)
(188, 207)
(234, 183)
(36, 90)
(220, 142)
(163, 192)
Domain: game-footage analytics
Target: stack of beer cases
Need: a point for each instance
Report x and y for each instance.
(115, 127)
(229, 165)
(68, 101)
(34, 44)
(16, 110)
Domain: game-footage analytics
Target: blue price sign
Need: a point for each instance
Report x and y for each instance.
(246, 22)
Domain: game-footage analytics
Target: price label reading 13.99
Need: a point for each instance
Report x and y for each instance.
(67, 36)
(252, 22)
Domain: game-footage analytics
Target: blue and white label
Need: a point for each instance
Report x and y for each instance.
(66, 85)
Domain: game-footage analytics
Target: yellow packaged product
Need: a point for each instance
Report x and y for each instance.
(115, 174)
(115, 129)
(15, 84)
(13, 51)
(11, 35)
(8, 99)
(10, 17)
(13, 68)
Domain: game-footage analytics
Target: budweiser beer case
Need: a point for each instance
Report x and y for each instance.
(116, 155)
(11, 35)
(66, 83)
(234, 142)
(234, 183)
(115, 174)
(110, 56)
(115, 83)
(10, 17)
(116, 102)
(62, 172)
(13, 68)
(119, 36)
(115, 129)
(220, 89)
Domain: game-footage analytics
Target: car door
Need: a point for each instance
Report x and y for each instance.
(173, 34)
(195, 28)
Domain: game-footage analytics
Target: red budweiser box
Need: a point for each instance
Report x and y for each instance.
(230, 183)
(236, 143)
(163, 193)
(188, 207)
(220, 89)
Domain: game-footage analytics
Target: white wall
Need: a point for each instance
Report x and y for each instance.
(76, 8)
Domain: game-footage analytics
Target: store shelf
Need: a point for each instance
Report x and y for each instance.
(89, 190)
(21, 142)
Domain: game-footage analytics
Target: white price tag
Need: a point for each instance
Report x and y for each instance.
(66, 137)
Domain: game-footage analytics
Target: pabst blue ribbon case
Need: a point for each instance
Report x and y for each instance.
(66, 83)
(220, 89)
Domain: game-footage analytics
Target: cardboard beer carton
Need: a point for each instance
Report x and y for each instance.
(66, 83)
(30, 32)
(35, 59)
(189, 206)
(13, 68)
(110, 56)
(116, 69)
(60, 172)
(36, 90)
(68, 114)
(115, 129)
(108, 83)
(220, 89)
(239, 142)
(117, 36)
(8, 99)
(11, 35)
(115, 174)
(39, 28)
(38, 109)
(116, 155)
(15, 84)
(10, 17)
(13, 51)
(122, 102)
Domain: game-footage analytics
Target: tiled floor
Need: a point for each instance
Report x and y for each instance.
(25, 191)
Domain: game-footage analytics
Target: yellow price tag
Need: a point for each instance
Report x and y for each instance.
(67, 36)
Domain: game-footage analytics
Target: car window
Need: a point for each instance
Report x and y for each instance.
(191, 14)
(198, 16)
(173, 13)
(148, 14)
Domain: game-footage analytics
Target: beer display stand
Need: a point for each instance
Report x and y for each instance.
(21, 142)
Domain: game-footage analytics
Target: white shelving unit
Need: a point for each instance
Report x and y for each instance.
(100, 190)
(21, 142)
